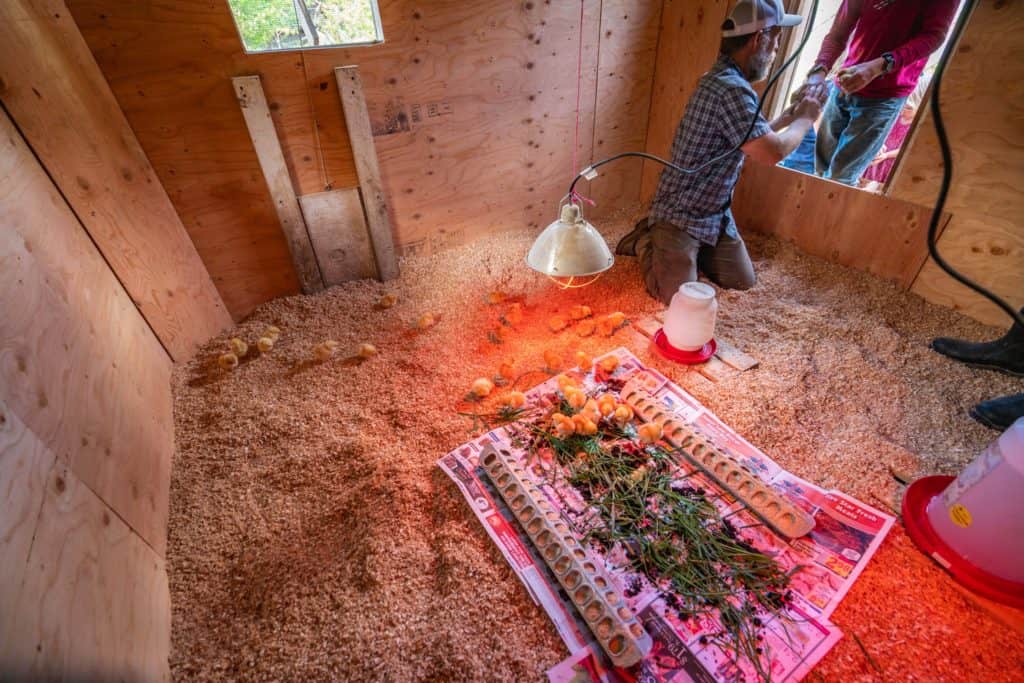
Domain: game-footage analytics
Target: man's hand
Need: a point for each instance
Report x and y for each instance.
(814, 86)
(808, 108)
(853, 78)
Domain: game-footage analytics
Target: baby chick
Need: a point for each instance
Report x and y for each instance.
(556, 323)
(584, 425)
(585, 328)
(506, 370)
(565, 382)
(228, 361)
(513, 399)
(239, 347)
(579, 312)
(609, 363)
(563, 425)
(272, 331)
(387, 301)
(426, 321)
(264, 344)
(495, 297)
(514, 314)
(574, 397)
(649, 432)
(367, 350)
(324, 350)
(552, 360)
(482, 387)
(622, 415)
(583, 361)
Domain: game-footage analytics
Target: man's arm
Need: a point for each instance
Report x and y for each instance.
(773, 147)
(835, 41)
(938, 16)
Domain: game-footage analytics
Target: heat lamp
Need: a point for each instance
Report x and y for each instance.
(570, 251)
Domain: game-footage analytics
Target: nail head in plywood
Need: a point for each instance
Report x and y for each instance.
(253, 102)
(337, 228)
(357, 119)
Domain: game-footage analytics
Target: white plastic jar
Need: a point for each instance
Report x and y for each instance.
(690, 320)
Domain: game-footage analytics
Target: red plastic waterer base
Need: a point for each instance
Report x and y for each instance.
(701, 355)
(920, 529)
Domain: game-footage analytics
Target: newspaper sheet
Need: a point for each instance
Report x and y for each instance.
(846, 534)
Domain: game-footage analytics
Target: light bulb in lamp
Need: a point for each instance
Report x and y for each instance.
(570, 251)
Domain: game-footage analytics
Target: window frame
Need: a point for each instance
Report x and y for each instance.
(377, 25)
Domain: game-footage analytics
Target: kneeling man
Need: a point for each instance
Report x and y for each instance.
(690, 225)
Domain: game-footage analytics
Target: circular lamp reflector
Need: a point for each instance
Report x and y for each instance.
(570, 247)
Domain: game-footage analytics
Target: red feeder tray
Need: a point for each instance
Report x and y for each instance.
(701, 355)
(920, 529)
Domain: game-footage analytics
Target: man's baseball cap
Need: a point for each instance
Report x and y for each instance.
(751, 16)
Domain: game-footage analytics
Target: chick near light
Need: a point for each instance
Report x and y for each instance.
(513, 399)
(583, 361)
(367, 350)
(387, 301)
(552, 360)
(228, 361)
(239, 347)
(324, 350)
(482, 387)
(264, 344)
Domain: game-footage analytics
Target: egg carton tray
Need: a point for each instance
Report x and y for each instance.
(777, 511)
(602, 607)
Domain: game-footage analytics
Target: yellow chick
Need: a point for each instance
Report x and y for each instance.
(506, 370)
(264, 344)
(367, 350)
(563, 425)
(583, 361)
(605, 327)
(606, 404)
(585, 328)
(638, 473)
(609, 363)
(239, 347)
(228, 361)
(482, 387)
(584, 425)
(426, 321)
(591, 411)
(324, 350)
(622, 415)
(617, 319)
(513, 399)
(387, 301)
(272, 331)
(552, 360)
(495, 298)
(556, 323)
(649, 432)
(575, 398)
(514, 314)
(579, 312)
(565, 382)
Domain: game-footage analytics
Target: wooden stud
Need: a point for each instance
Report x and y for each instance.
(733, 357)
(337, 228)
(264, 138)
(714, 369)
(648, 326)
(357, 119)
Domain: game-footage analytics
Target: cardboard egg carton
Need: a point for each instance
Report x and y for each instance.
(777, 511)
(612, 622)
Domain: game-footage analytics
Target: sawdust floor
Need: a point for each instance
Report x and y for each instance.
(312, 536)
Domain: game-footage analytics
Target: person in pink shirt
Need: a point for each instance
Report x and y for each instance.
(889, 43)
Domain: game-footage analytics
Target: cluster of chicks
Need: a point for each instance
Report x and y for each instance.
(591, 411)
(585, 323)
(240, 348)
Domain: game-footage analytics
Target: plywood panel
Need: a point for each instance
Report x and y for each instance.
(78, 364)
(94, 604)
(62, 104)
(25, 465)
(472, 105)
(983, 110)
(340, 237)
(625, 77)
(881, 235)
(256, 112)
(687, 46)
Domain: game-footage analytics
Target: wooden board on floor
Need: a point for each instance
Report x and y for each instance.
(80, 366)
(94, 603)
(337, 229)
(275, 171)
(733, 357)
(25, 465)
(842, 224)
(53, 89)
(357, 120)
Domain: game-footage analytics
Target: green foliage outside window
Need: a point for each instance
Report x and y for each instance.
(291, 24)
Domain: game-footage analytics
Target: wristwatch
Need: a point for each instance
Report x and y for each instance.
(890, 62)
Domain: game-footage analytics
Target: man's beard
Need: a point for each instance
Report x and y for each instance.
(759, 65)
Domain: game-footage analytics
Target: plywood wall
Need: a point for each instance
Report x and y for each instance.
(60, 101)
(983, 110)
(472, 104)
(86, 438)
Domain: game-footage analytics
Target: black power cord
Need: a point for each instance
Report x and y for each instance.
(713, 160)
(947, 173)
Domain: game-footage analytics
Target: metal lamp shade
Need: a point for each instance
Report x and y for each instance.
(570, 247)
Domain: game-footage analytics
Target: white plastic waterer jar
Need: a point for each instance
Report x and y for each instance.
(980, 515)
(690, 320)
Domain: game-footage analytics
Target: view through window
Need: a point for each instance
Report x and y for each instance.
(879, 171)
(269, 25)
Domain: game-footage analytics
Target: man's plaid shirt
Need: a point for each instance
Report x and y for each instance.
(716, 119)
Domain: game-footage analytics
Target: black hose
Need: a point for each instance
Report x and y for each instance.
(947, 174)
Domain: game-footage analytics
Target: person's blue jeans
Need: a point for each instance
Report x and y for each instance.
(802, 158)
(852, 131)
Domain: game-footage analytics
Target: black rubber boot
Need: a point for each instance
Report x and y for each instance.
(627, 245)
(1005, 354)
(999, 413)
